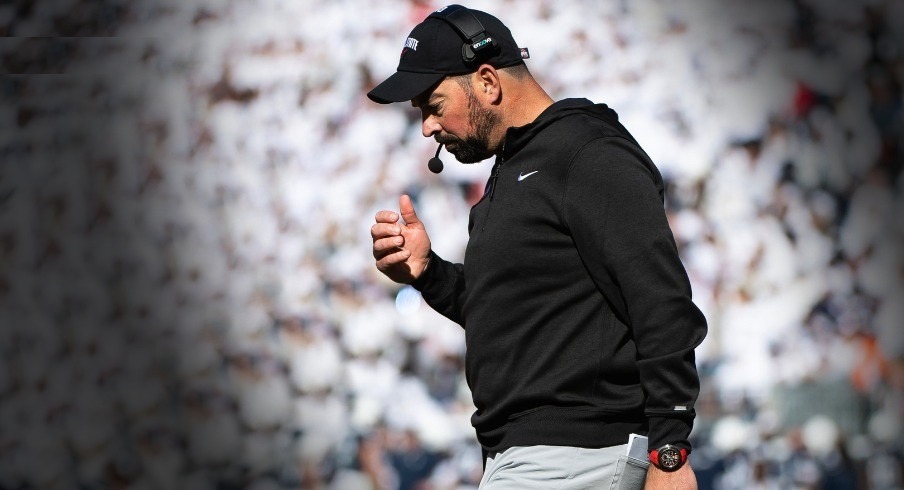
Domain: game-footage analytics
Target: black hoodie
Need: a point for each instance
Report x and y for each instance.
(577, 311)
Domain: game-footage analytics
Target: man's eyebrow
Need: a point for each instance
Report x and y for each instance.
(434, 98)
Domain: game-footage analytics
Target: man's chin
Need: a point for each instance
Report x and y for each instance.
(466, 156)
(470, 160)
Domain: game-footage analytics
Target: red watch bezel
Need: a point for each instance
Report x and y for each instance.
(682, 457)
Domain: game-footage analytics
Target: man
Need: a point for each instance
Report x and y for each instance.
(577, 311)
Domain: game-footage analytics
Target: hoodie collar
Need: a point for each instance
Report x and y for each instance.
(517, 137)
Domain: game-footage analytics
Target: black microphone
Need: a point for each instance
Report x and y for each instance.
(435, 164)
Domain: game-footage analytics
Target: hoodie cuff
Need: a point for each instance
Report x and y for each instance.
(670, 430)
(434, 282)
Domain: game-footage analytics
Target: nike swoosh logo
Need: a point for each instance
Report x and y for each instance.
(522, 177)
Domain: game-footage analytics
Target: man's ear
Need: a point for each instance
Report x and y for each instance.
(488, 84)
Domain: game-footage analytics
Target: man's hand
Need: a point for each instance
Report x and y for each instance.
(401, 250)
(681, 479)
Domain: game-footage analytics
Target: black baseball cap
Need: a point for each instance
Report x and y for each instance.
(454, 40)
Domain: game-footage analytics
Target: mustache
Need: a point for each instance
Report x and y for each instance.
(445, 140)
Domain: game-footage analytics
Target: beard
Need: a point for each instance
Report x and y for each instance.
(475, 147)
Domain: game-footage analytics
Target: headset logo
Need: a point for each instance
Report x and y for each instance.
(476, 46)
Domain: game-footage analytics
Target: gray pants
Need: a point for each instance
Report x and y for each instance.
(563, 468)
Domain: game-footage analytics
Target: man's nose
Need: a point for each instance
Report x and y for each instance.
(430, 127)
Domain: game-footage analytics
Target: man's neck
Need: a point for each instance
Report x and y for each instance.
(522, 109)
(526, 108)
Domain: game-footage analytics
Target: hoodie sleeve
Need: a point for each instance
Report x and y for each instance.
(613, 206)
(442, 286)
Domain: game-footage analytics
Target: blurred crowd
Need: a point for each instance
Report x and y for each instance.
(187, 295)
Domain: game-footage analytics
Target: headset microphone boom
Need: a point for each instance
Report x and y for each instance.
(435, 164)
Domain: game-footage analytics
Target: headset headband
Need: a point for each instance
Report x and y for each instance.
(469, 27)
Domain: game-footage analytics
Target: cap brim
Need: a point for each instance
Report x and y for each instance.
(403, 86)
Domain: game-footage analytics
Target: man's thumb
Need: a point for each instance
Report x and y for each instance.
(407, 210)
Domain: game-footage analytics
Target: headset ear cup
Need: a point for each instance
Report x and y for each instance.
(467, 53)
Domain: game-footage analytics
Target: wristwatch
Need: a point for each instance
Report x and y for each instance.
(668, 457)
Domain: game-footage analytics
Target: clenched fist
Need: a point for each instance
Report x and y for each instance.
(401, 249)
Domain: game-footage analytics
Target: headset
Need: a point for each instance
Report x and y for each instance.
(478, 42)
